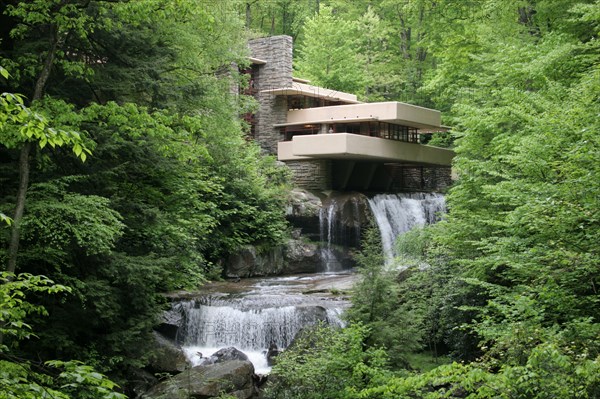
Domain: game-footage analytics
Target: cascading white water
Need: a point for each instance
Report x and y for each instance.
(254, 329)
(398, 213)
(339, 228)
(327, 230)
(253, 322)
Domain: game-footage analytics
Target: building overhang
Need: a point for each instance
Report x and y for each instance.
(257, 61)
(300, 80)
(302, 89)
(390, 112)
(328, 121)
(354, 147)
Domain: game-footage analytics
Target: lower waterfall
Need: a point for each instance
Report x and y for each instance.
(271, 312)
(398, 213)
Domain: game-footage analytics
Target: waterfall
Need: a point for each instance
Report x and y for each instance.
(327, 229)
(248, 329)
(339, 228)
(273, 311)
(398, 213)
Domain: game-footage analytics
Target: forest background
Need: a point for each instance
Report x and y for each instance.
(125, 174)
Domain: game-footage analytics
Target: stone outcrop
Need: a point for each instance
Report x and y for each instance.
(170, 323)
(301, 257)
(249, 262)
(309, 214)
(297, 256)
(139, 381)
(168, 357)
(272, 354)
(300, 254)
(303, 213)
(225, 355)
(303, 203)
(233, 377)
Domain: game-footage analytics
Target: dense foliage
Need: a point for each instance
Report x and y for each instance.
(507, 283)
(142, 93)
(324, 362)
(124, 173)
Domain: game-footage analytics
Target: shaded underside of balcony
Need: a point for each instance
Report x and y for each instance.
(366, 176)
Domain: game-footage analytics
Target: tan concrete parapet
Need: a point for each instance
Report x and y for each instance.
(285, 152)
(348, 146)
(391, 112)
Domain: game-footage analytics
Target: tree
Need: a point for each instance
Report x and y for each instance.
(20, 127)
(23, 379)
(281, 17)
(327, 363)
(511, 267)
(327, 54)
(172, 187)
(521, 228)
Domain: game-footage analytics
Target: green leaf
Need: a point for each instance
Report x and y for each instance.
(4, 73)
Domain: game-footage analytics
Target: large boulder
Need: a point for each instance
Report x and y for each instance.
(167, 356)
(233, 377)
(301, 257)
(170, 323)
(249, 262)
(139, 381)
(303, 203)
(224, 355)
(272, 354)
(303, 212)
(296, 256)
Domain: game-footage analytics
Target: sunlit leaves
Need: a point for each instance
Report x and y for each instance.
(328, 53)
(82, 381)
(19, 123)
(14, 307)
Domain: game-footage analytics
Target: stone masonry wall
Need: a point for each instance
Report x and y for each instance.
(276, 73)
(311, 174)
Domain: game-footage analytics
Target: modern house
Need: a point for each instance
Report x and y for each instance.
(330, 140)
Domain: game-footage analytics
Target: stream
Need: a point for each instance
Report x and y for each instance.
(255, 313)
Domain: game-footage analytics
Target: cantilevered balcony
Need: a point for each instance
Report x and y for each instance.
(379, 132)
(390, 112)
(356, 147)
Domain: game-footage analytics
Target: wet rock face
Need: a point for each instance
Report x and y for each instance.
(297, 256)
(330, 220)
(301, 257)
(224, 355)
(272, 354)
(303, 213)
(248, 262)
(170, 323)
(168, 357)
(233, 377)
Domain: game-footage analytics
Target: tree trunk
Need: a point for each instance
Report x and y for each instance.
(40, 84)
(248, 16)
(272, 24)
(13, 247)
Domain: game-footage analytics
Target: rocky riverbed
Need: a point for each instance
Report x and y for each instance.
(231, 329)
